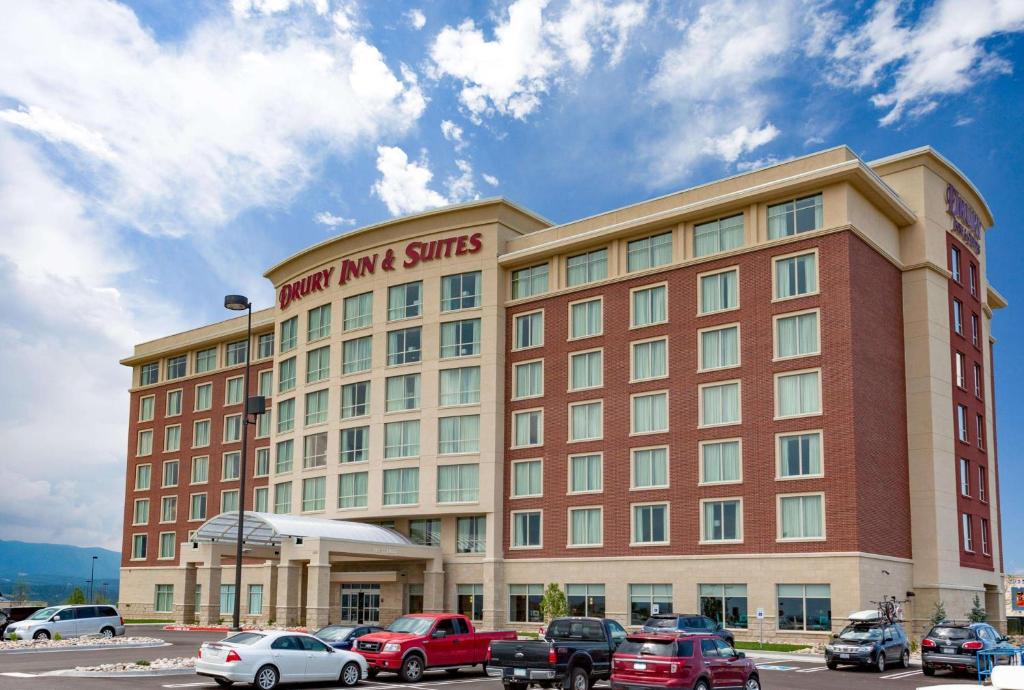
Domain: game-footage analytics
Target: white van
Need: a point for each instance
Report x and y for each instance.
(67, 621)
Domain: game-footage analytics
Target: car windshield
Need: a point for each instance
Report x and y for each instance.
(660, 623)
(43, 614)
(952, 633)
(246, 638)
(334, 632)
(861, 633)
(406, 624)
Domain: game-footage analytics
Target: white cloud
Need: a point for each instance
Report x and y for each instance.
(453, 133)
(404, 184)
(741, 140)
(416, 18)
(910, 66)
(461, 187)
(490, 179)
(56, 129)
(247, 7)
(329, 219)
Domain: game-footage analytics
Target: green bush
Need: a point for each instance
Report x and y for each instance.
(553, 604)
(57, 637)
(142, 662)
(938, 613)
(977, 613)
(770, 646)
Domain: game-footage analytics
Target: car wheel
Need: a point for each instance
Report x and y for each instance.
(372, 673)
(224, 682)
(880, 663)
(41, 635)
(107, 632)
(701, 685)
(578, 680)
(349, 674)
(412, 668)
(267, 678)
(752, 684)
(928, 670)
(832, 666)
(905, 659)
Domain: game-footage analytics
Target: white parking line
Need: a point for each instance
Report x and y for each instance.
(904, 674)
(185, 685)
(15, 674)
(813, 670)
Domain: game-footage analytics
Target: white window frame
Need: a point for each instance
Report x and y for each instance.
(632, 413)
(512, 530)
(568, 527)
(152, 408)
(791, 255)
(574, 353)
(700, 403)
(569, 336)
(720, 327)
(633, 325)
(135, 512)
(967, 531)
(515, 366)
(138, 443)
(632, 468)
(195, 401)
(965, 477)
(778, 518)
(778, 400)
(632, 358)
(515, 414)
(739, 521)
(632, 524)
(580, 403)
(191, 504)
(779, 477)
(776, 357)
(512, 479)
(192, 470)
(568, 471)
(701, 480)
(167, 447)
(241, 428)
(586, 253)
(240, 382)
(717, 271)
(515, 330)
(160, 546)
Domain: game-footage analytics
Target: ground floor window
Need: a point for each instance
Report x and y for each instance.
(585, 600)
(227, 599)
(470, 601)
(726, 604)
(164, 599)
(255, 599)
(415, 598)
(805, 607)
(199, 600)
(647, 600)
(524, 603)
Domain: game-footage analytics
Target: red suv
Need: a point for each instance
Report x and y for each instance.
(685, 661)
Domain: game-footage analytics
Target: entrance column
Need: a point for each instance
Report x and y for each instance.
(208, 579)
(289, 580)
(433, 587)
(318, 595)
(185, 596)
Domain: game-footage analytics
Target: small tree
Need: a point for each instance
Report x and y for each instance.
(77, 596)
(553, 604)
(938, 613)
(21, 590)
(977, 613)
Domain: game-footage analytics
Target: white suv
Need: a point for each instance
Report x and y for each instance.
(68, 621)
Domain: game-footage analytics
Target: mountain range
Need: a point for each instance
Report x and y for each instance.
(50, 572)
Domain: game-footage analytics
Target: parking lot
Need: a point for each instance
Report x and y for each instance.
(24, 671)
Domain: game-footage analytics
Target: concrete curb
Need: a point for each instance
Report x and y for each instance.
(915, 662)
(85, 648)
(120, 674)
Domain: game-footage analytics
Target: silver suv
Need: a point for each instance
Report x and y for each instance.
(67, 621)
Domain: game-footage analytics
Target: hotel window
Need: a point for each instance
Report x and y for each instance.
(722, 521)
(149, 373)
(402, 393)
(356, 355)
(796, 276)
(177, 367)
(650, 468)
(147, 405)
(227, 599)
(982, 484)
(961, 424)
(232, 428)
(470, 601)
(527, 478)
(353, 489)
(425, 532)
(801, 517)
(140, 542)
(961, 374)
(197, 507)
(954, 263)
(145, 442)
(355, 444)
(527, 282)
(586, 319)
(979, 430)
(526, 529)
(586, 421)
(796, 335)
(973, 273)
(805, 607)
(585, 474)
(718, 236)
(587, 267)
(649, 252)
(650, 524)
(585, 527)
(355, 399)
(200, 469)
(233, 391)
(316, 407)
(458, 483)
(318, 323)
(231, 466)
(527, 428)
(168, 509)
(459, 386)
(140, 514)
(404, 301)
(402, 439)
(967, 522)
(285, 452)
(265, 383)
(314, 494)
(261, 499)
(173, 408)
(458, 434)
(460, 291)
(471, 534)
(170, 474)
(965, 477)
(206, 360)
(460, 338)
(720, 462)
(958, 316)
(314, 450)
(650, 359)
(977, 380)
(719, 291)
(725, 604)
(283, 498)
(719, 348)
(318, 364)
(262, 468)
(529, 330)
(650, 413)
(204, 397)
(401, 486)
(975, 329)
(286, 375)
(236, 352)
(524, 603)
(264, 345)
(586, 370)
(720, 404)
(404, 346)
(585, 600)
(285, 415)
(800, 455)
(255, 600)
(528, 380)
(172, 438)
(794, 217)
(166, 546)
(649, 306)
(142, 475)
(798, 394)
(289, 334)
(643, 598)
(984, 537)
(357, 311)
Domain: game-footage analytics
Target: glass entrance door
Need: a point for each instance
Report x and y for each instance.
(360, 603)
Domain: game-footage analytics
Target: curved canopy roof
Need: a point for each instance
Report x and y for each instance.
(268, 529)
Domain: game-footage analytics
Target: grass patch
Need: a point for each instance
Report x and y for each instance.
(770, 646)
(528, 635)
(142, 662)
(148, 620)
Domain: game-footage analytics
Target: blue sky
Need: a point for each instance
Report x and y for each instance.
(154, 156)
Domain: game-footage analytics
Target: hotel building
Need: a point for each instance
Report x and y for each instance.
(770, 393)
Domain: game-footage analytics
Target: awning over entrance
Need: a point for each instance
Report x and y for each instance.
(268, 529)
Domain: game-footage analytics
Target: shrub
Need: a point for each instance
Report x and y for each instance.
(977, 613)
(142, 662)
(938, 613)
(57, 637)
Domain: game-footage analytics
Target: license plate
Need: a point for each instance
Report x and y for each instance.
(949, 650)
(844, 656)
(519, 672)
(640, 667)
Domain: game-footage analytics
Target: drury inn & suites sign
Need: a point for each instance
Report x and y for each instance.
(966, 223)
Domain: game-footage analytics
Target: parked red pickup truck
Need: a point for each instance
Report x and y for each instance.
(416, 642)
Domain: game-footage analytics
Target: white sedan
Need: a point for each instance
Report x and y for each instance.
(266, 658)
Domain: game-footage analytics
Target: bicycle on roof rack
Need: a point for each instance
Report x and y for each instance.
(890, 609)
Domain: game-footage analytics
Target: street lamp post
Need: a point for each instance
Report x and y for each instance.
(92, 577)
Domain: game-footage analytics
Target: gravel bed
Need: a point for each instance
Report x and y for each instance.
(85, 641)
(180, 663)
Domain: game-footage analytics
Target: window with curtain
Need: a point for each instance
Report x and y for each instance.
(586, 421)
(206, 360)
(289, 334)
(720, 404)
(586, 319)
(471, 534)
(164, 602)
(527, 282)
(718, 236)
(650, 359)
(140, 516)
(177, 367)
(404, 346)
(264, 345)
(402, 392)
(796, 275)
(801, 517)
(961, 424)
(200, 469)
(528, 428)
(650, 413)
(318, 364)
(316, 407)
(168, 509)
(650, 306)
(649, 252)
(650, 468)
(355, 444)
(720, 462)
(460, 338)
(356, 355)
(170, 477)
(314, 450)
(644, 597)
(355, 399)
(197, 507)
(146, 407)
(314, 494)
(227, 600)
(318, 323)
(460, 291)
(805, 607)
(527, 478)
(145, 443)
(720, 348)
(261, 499)
(650, 524)
(524, 603)
(725, 604)
(255, 600)
(232, 428)
(204, 397)
(284, 456)
(794, 217)
(529, 330)
(585, 473)
(405, 301)
(587, 267)
(528, 379)
(458, 434)
(458, 483)
(263, 425)
(586, 370)
(719, 291)
(149, 373)
(286, 375)
(585, 527)
(229, 501)
(401, 486)
(402, 439)
(173, 403)
(723, 520)
(352, 489)
(172, 438)
(800, 454)
(262, 464)
(285, 415)
(142, 477)
(265, 383)
(797, 335)
(526, 529)
(357, 311)
(425, 532)
(798, 394)
(459, 386)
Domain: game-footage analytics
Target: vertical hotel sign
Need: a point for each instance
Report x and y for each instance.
(966, 223)
(1016, 587)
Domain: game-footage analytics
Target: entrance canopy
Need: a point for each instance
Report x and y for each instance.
(267, 529)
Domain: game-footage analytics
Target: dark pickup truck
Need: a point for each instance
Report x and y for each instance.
(575, 653)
